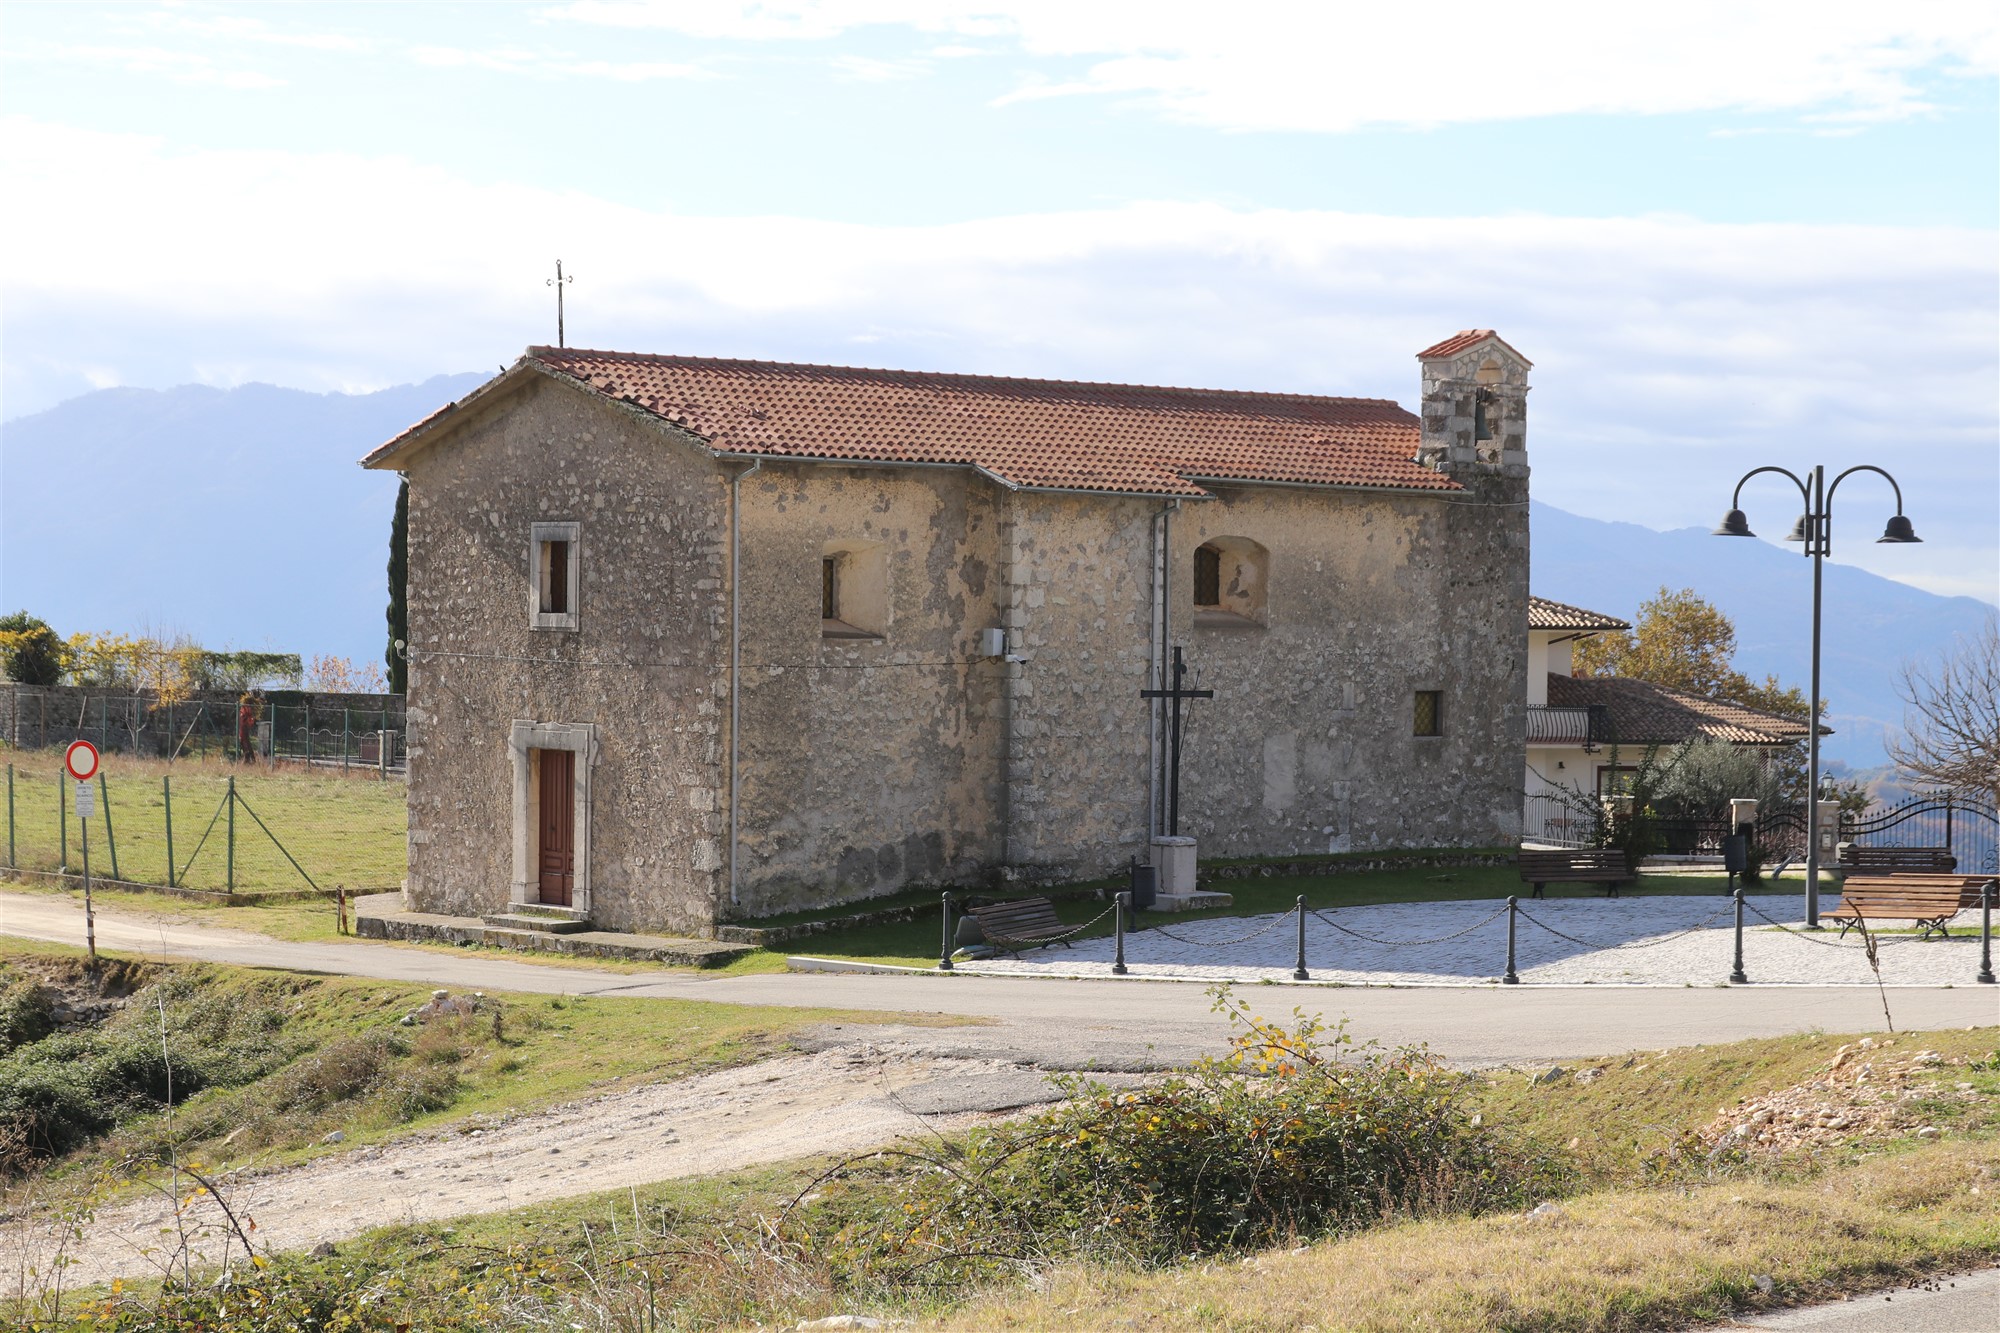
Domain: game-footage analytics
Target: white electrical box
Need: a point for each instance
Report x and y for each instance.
(993, 643)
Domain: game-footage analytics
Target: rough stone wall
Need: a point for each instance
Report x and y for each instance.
(645, 665)
(869, 764)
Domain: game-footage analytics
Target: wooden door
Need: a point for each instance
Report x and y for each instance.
(557, 776)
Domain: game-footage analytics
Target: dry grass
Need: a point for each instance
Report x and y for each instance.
(1611, 1260)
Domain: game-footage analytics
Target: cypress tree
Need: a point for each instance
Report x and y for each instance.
(399, 570)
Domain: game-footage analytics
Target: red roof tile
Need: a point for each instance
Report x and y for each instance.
(1459, 342)
(1546, 614)
(1047, 434)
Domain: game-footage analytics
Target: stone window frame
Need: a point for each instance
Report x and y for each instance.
(539, 535)
(524, 737)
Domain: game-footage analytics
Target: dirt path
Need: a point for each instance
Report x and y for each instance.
(842, 1099)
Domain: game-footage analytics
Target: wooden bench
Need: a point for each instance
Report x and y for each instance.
(1897, 860)
(1578, 865)
(1928, 900)
(1020, 923)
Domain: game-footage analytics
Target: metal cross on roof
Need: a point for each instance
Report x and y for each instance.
(558, 282)
(1177, 694)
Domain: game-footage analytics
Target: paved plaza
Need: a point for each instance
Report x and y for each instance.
(1636, 941)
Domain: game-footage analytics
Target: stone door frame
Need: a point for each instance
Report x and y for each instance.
(523, 738)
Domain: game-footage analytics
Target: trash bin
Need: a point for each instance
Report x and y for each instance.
(1145, 885)
(1735, 853)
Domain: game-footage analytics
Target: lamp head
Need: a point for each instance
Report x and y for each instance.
(1800, 530)
(1899, 530)
(1734, 524)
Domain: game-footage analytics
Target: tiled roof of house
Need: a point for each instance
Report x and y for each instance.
(1642, 713)
(1044, 434)
(1545, 614)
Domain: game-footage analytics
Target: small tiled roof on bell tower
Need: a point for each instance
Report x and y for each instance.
(1461, 341)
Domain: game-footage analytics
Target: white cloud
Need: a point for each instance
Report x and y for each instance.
(1671, 354)
(1310, 65)
(550, 64)
(185, 67)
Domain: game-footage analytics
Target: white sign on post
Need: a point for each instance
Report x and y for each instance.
(86, 801)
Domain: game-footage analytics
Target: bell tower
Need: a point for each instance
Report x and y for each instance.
(1475, 406)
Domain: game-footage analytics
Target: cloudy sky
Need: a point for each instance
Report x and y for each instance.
(1727, 234)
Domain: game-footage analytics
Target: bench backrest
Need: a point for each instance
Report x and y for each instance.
(1934, 892)
(1578, 858)
(1017, 914)
(1900, 858)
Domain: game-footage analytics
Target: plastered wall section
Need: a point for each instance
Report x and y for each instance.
(644, 667)
(872, 764)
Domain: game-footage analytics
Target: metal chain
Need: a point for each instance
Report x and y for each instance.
(1265, 929)
(1628, 944)
(1810, 938)
(1400, 944)
(1004, 940)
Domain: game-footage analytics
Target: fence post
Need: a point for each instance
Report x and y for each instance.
(11, 862)
(110, 834)
(1737, 978)
(309, 734)
(346, 735)
(1118, 901)
(62, 823)
(1511, 978)
(1986, 934)
(167, 801)
(229, 799)
(1299, 972)
(944, 947)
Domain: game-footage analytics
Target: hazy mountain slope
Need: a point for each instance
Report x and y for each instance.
(238, 515)
(1871, 624)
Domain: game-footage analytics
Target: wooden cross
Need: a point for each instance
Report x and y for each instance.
(1177, 693)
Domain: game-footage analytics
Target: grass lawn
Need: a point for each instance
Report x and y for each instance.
(341, 830)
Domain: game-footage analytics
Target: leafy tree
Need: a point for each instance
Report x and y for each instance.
(1952, 724)
(30, 652)
(399, 578)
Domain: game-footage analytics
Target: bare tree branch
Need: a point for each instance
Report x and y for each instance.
(1952, 718)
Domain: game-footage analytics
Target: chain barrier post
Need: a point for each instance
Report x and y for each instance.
(110, 833)
(1513, 910)
(1299, 972)
(1737, 977)
(167, 804)
(1986, 934)
(1118, 931)
(944, 947)
(229, 799)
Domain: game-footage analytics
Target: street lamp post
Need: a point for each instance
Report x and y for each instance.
(1815, 529)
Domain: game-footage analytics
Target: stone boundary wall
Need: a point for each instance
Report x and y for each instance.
(766, 936)
(1351, 865)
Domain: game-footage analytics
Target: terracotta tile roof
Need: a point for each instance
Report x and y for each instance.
(1546, 614)
(1460, 341)
(1051, 434)
(1642, 713)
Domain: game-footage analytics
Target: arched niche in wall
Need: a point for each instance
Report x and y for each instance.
(1231, 577)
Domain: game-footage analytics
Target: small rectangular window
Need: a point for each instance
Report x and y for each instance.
(829, 588)
(1207, 576)
(555, 578)
(1430, 713)
(552, 575)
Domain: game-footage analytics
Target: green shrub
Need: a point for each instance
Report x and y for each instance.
(27, 1014)
(1296, 1132)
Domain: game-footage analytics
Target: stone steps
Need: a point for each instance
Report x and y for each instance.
(552, 925)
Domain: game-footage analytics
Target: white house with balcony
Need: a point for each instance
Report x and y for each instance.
(1585, 731)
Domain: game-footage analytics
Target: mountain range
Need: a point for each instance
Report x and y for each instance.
(240, 517)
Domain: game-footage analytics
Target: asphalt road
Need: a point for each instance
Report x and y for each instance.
(1098, 1024)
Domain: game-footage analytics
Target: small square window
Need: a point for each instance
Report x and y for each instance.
(1429, 713)
(553, 576)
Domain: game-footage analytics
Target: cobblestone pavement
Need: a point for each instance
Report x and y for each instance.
(1645, 941)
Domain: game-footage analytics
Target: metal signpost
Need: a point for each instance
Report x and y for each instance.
(81, 760)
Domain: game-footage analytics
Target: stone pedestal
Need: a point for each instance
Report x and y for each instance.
(1175, 859)
(1742, 811)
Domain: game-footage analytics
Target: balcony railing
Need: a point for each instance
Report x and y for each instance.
(1588, 727)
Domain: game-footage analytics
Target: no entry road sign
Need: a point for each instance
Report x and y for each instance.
(81, 760)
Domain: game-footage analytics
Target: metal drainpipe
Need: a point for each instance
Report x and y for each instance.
(735, 656)
(1163, 612)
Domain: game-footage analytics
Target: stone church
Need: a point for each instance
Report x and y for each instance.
(694, 640)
